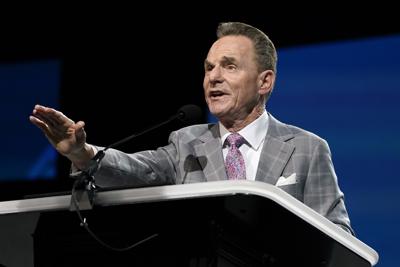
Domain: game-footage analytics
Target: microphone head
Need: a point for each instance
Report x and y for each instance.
(189, 113)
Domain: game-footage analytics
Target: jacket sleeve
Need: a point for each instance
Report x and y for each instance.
(145, 168)
(322, 192)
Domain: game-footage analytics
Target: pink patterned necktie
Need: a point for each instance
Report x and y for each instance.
(234, 162)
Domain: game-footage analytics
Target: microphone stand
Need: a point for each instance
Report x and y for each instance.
(84, 188)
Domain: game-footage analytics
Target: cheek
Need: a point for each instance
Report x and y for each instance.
(205, 81)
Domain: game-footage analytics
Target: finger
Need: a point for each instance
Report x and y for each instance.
(46, 120)
(54, 117)
(54, 130)
(79, 125)
(59, 117)
(40, 124)
(35, 120)
(79, 130)
(39, 108)
(49, 128)
(52, 133)
(42, 113)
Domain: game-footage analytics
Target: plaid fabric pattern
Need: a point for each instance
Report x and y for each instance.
(194, 154)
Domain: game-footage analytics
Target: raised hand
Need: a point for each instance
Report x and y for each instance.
(67, 137)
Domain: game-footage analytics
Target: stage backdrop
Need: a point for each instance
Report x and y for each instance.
(346, 92)
(25, 154)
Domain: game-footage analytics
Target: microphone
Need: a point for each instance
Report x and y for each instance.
(84, 188)
(189, 113)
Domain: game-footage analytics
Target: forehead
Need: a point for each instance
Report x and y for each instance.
(231, 46)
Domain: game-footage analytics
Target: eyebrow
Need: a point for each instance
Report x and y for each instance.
(225, 61)
(208, 64)
(228, 60)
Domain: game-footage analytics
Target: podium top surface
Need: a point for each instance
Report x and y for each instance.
(201, 190)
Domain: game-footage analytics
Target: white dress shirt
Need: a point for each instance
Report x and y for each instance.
(254, 134)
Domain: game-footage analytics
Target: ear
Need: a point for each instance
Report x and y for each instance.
(266, 80)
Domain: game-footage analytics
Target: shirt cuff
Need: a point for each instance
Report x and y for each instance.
(75, 170)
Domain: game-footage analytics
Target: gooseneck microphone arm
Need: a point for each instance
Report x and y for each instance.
(128, 138)
(188, 113)
(95, 161)
(84, 188)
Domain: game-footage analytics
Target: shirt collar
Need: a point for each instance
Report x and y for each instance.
(254, 133)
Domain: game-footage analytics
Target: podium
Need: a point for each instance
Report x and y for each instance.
(223, 223)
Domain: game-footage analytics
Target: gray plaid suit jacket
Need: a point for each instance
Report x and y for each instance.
(194, 154)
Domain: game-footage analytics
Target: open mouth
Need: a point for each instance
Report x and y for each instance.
(216, 94)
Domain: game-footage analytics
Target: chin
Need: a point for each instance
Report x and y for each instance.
(219, 107)
(216, 109)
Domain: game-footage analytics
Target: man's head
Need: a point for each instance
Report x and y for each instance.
(239, 74)
(264, 49)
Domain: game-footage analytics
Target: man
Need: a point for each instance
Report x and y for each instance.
(247, 143)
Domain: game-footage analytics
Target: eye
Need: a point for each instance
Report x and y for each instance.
(208, 67)
(231, 67)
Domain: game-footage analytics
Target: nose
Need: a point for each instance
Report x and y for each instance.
(215, 75)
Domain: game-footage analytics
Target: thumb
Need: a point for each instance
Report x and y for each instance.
(79, 130)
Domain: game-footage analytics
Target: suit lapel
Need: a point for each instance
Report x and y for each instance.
(210, 148)
(275, 153)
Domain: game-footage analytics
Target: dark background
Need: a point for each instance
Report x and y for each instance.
(124, 69)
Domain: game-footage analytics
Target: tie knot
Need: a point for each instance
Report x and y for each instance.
(235, 139)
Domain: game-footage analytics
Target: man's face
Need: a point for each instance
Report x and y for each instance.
(231, 81)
